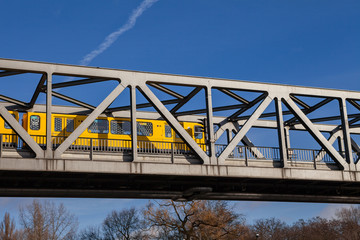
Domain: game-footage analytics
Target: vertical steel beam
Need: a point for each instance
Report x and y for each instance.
(346, 134)
(287, 137)
(210, 127)
(150, 96)
(315, 133)
(86, 123)
(245, 128)
(281, 132)
(133, 123)
(48, 151)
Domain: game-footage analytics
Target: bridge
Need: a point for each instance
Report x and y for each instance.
(229, 165)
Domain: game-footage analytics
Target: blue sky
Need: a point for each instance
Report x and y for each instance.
(300, 42)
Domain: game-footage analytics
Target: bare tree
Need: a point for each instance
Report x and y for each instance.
(347, 223)
(124, 225)
(91, 233)
(269, 229)
(46, 221)
(8, 230)
(195, 220)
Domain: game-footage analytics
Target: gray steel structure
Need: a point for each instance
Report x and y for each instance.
(210, 174)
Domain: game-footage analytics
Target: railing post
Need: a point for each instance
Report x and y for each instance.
(246, 157)
(172, 152)
(91, 149)
(1, 145)
(314, 157)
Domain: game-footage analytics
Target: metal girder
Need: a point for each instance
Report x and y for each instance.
(281, 132)
(298, 101)
(173, 123)
(234, 96)
(48, 151)
(37, 90)
(315, 133)
(79, 82)
(354, 103)
(72, 100)
(9, 73)
(310, 109)
(185, 99)
(214, 109)
(245, 128)
(142, 105)
(86, 123)
(251, 104)
(166, 90)
(15, 125)
(210, 126)
(133, 123)
(354, 120)
(346, 133)
(324, 119)
(264, 115)
(223, 126)
(12, 100)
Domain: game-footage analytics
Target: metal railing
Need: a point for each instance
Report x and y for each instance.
(251, 153)
(8, 141)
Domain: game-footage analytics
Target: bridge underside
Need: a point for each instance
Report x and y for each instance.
(95, 185)
(156, 176)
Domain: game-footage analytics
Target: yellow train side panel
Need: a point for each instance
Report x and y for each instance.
(151, 133)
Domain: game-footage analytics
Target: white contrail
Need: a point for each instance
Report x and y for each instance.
(111, 38)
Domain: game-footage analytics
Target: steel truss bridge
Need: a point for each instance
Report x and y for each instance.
(231, 167)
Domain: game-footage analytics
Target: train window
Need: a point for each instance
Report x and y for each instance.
(35, 122)
(69, 125)
(6, 125)
(198, 132)
(168, 132)
(58, 124)
(144, 129)
(120, 127)
(99, 126)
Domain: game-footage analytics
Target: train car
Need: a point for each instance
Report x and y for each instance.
(9, 137)
(110, 133)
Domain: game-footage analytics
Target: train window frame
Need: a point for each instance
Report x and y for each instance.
(72, 124)
(6, 125)
(198, 133)
(97, 130)
(56, 122)
(123, 130)
(144, 131)
(168, 131)
(30, 123)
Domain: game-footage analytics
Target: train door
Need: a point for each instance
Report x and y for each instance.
(58, 135)
(63, 127)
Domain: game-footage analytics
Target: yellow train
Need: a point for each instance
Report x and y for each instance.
(105, 132)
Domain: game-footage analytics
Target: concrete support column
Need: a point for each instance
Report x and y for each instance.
(281, 132)
(133, 123)
(48, 151)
